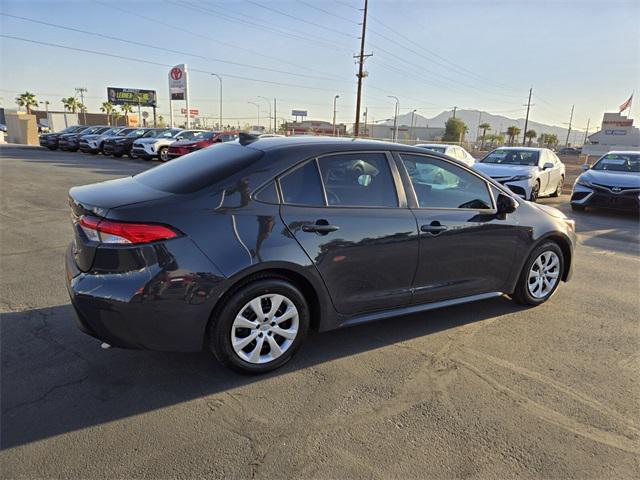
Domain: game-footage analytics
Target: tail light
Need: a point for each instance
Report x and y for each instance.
(202, 144)
(109, 231)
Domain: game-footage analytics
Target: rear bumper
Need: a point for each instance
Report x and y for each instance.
(163, 306)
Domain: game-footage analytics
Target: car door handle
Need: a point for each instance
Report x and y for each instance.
(321, 226)
(433, 228)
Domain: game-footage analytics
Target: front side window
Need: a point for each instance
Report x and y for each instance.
(302, 186)
(358, 180)
(439, 184)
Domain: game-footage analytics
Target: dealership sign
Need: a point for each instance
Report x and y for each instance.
(298, 113)
(133, 96)
(193, 112)
(178, 82)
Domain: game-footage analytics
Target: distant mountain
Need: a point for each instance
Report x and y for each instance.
(472, 118)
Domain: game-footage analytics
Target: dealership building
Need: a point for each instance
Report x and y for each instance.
(616, 133)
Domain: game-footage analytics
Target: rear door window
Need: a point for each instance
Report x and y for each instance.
(302, 186)
(358, 180)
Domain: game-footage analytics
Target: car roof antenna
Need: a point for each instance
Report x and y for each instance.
(247, 138)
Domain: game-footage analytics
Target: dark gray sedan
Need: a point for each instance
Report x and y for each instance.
(242, 247)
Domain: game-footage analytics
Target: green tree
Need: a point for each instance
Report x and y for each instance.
(27, 100)
(70, 104)
(126, 109)
(513, 133)
(484, 127)
(116, 116)
(530, 135)
(454, 130)
(108, 108)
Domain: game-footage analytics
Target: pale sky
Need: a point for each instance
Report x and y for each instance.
(432, 55)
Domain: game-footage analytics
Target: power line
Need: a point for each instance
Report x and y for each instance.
(327, 12)
(317, 25)
(189, 54)
(150, 62)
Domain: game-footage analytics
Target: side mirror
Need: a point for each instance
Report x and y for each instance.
(547, 165)
(585, 167)
(178, 138)
(505, 204)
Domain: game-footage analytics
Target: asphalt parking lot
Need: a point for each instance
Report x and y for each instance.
(487, 390)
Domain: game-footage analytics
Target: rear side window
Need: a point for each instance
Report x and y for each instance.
(199, 169)
(302, 186)
(358, 180)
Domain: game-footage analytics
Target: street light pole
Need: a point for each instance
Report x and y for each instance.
(258, 106)
(220, 79)
(269, 104)
(413, 113)
(395, 118)
(334, 113)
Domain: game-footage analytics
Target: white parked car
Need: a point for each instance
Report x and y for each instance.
(454, 151)
(156, 145)
(526, 171)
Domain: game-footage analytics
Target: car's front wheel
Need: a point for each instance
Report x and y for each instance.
(535, 191)
(558, 190)
(163, 154)
(541, 275)
(260, 327)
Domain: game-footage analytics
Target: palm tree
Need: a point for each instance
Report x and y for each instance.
(70, 104)
(116, 115)
(126, 109)
(107, 107)
(484, 127)
(27, 100)
(513, 132)
(530, 134)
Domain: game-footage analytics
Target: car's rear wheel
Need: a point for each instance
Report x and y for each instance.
(163, 154)
(541, 275)
(260, 326)
(535, 191)
(558, 190)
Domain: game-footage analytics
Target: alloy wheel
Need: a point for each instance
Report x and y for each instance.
(164, 154)
(544, 274)
(264, 328)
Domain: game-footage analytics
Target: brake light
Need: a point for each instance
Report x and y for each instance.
(109, 231)
(203, 143)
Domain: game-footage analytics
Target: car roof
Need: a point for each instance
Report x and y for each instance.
(533, 149)
(275, 143)
(624, 152)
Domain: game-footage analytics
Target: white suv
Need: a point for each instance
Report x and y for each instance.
(158, 146)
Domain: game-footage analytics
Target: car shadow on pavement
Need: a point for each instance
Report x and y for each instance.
(56, 379)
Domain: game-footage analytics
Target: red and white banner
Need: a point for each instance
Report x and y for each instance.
(193, 112)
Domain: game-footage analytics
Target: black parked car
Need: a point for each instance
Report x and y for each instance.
(71, 141)
(242, 247)
(121, 144)
(50, 140)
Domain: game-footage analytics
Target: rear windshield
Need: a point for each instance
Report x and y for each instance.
(199, 169)
(433, 148)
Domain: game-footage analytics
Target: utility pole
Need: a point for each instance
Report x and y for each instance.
(366, 119)
(395, 118)
(586, 133)
(275, 115)
(81, 91)
(361, 73)
(454, 111)
(413, 114)
(566, 144)
(220, 80)
(335, 99)
(526, 121)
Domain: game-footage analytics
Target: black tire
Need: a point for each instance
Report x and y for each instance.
(558, 191)
(163, 154)
(522, 294)
(577, 208)
(220, 329)
(535, 191)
